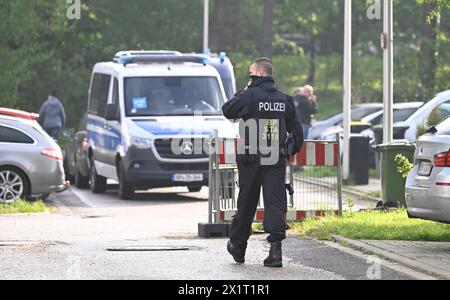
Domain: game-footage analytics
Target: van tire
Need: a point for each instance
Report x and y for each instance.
(97, 183)
(126, 189)
(81, 182)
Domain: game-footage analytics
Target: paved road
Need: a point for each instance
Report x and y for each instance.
(86, 237)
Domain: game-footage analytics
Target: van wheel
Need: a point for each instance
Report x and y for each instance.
(13, 185)
(126, 189)
(194, 189)
(81, 181)
(97, 182)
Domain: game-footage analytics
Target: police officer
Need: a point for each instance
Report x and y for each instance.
(273, 114)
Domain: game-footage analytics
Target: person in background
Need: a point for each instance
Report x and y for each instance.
(52, 116)
(306, 106)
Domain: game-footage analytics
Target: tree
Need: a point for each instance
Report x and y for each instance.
(266, 40)
(225, 27)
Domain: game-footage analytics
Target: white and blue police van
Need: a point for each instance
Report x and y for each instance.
(222, 63)
(150, 114)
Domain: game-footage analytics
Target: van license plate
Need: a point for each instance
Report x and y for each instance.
(425, 169)
(187, 177)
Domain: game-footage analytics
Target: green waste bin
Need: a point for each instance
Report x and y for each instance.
(392, 182)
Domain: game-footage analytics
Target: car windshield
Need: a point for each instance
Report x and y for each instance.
(400, 115)
(172, 96)
(358, 113)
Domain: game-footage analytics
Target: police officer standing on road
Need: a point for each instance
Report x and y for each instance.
(274, 114)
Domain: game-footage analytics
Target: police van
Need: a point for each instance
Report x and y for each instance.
(222, 63)
(150, 114)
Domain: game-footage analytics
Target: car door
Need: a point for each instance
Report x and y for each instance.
(17, 148)
(113, 138)
(97, 125)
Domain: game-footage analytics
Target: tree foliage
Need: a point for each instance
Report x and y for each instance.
(41, 49)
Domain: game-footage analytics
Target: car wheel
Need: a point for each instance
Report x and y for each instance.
(13, 185)
(194, 189)
(126, 189)
(97, 182)
(69, 177)
(81, 181)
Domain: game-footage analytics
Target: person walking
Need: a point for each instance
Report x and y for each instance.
(278, 128)
(52, 116)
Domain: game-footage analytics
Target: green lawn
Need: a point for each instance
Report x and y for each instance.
(21, 207)
(374, 226)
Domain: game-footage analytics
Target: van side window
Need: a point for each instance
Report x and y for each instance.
(9, 135)
(99, 94)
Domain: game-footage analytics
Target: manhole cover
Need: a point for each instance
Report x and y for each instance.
(151, 249)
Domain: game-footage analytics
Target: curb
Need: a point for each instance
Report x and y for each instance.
(407, 262)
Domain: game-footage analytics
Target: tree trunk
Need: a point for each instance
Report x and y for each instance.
(428, 59)
(225, 31)
(312, 62)
(266, 39)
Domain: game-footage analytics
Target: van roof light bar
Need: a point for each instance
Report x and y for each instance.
(143, 58)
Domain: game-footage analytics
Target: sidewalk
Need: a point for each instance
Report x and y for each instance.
(371, 192)
(429, 257)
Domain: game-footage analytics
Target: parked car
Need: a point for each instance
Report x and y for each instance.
(407, 129)
(76, 158)
(141, 108)
(358, 112)
(31, 162)
(402, 111)
(427, 188)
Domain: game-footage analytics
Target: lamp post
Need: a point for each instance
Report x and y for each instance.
(347, 86)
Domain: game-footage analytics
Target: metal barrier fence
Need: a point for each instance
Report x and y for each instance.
(314, 174)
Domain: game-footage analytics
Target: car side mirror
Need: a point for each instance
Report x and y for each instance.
(112, 113)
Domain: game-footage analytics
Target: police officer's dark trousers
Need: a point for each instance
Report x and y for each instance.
(253, 175)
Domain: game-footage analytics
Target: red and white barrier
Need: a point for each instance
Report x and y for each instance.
(317, 154)
(291, 216)
(313, 154)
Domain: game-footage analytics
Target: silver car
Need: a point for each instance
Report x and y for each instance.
(428, 184)
(31, 162)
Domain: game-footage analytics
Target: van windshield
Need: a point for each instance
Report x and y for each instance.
(172, 96)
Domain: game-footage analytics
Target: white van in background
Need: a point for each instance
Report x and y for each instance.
(138, 105)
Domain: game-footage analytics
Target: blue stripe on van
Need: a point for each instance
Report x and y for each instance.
(156, 129)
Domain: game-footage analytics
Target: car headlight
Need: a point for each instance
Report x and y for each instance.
(140, 143)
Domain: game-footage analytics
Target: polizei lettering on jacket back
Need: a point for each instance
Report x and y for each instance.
(272, 106)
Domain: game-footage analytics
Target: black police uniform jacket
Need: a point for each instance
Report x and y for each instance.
(267, 105)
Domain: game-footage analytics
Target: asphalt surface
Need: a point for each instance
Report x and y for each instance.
(153, 237)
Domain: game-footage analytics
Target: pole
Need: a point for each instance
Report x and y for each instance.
(206, 26)
(339, 178)
(388, 81)
(347, 86)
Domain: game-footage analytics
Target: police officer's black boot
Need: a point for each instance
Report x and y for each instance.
(237, 253)
(275, 259)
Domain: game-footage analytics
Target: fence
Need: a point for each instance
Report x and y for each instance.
(313, 178)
